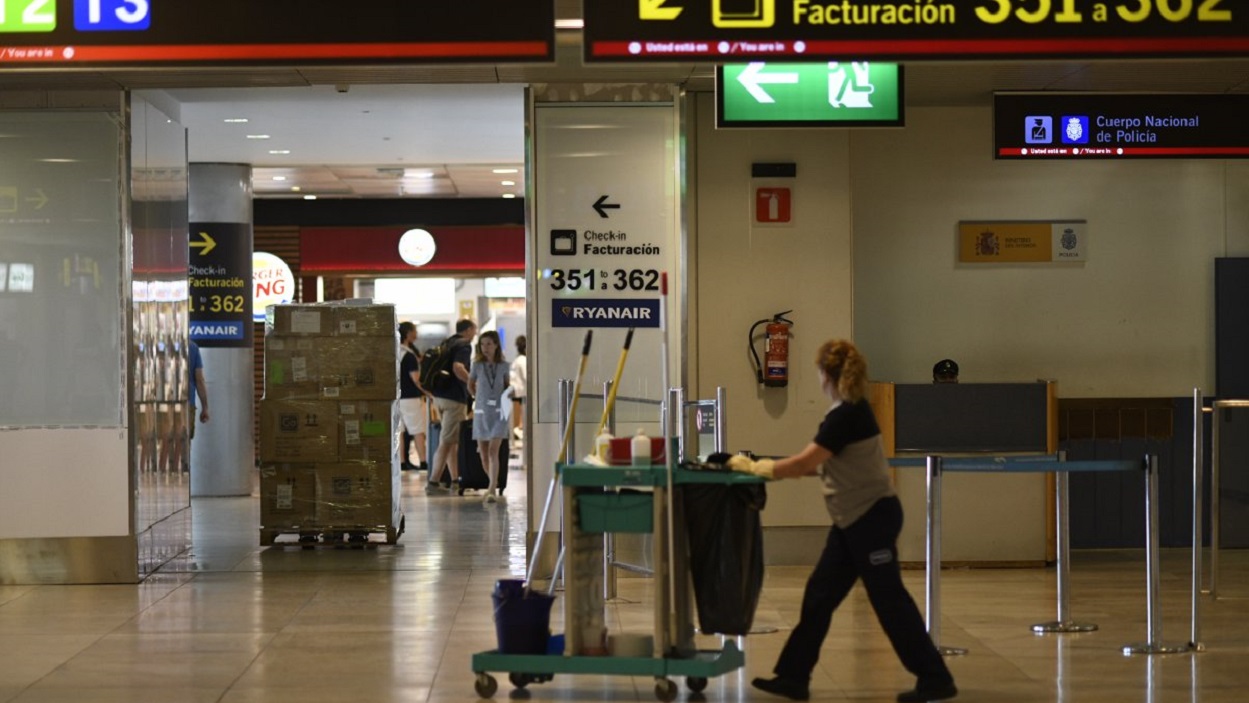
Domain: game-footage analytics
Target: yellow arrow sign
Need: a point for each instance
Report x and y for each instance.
(205, 245)
(654, 10)
(39, 199)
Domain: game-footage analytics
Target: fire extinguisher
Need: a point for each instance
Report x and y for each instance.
(774, 372)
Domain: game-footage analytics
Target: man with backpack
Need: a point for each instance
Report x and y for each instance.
(444, 373)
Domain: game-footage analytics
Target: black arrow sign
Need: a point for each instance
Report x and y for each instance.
(601, 204)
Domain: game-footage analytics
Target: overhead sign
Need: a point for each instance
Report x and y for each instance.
(1118, 126)
(742, 30)
(824, 94)
(219, 279)
(1021, 242)
(41, 33)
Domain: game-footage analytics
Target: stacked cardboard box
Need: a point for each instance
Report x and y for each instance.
(326, 429)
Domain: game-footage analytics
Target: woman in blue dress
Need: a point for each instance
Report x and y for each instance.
(487, 380)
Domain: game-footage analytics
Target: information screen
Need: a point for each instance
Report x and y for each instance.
(41, 33)
(810, 30)
(1118, 126)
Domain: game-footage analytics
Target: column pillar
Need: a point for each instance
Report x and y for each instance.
(220, 273)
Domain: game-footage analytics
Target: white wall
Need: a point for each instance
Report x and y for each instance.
(747, 273)
(1135, 320)
(872, 256)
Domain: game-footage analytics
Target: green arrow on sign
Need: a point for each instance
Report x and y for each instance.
(836, 93)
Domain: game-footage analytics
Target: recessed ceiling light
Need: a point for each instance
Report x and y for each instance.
(310, 197)
(506, 170)
(257, 136)
(279, 152)
(235, 120)
(507, 183)
(279, 178)
(59, 161)
(509, 196)
(295, 189)
(570, 24)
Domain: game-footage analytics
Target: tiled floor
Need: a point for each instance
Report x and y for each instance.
(237, 623)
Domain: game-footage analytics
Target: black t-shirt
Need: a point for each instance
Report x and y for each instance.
(846, 424)
(409, 364)
(457, 390)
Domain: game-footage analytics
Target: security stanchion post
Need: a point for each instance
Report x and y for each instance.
(1153, 581)
(1214, 500)
(1194, 638)
(932, 599)
(721, 429)
(1064, 624)
(609, 539)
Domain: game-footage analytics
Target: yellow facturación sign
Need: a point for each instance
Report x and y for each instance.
(1020, 242)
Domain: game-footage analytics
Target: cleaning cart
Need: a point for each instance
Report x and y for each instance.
(622, 499)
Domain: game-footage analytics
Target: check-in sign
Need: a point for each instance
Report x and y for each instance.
(825, 94)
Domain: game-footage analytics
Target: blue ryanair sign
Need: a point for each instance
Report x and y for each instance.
(605, 312)
(213, 329)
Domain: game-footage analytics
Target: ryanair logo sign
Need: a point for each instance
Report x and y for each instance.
(605, 312)
(216, 330)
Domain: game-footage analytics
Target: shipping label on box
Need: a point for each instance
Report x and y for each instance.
(298, 430)
(356, 493)
(364, 321)
(292, 368)
(287, 495)
(367, 430)
(298, 320)
(359, 372)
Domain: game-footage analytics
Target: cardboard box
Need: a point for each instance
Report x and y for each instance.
(292, 368)
(367, 430)
(288, 494)
(354, 371)
(365, 321)
(354, 494)
(298, 430)
(294, 320)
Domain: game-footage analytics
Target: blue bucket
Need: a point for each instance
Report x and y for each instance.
(522, 621)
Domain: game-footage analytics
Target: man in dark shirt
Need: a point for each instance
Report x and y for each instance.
(452, 403)
(411, 398)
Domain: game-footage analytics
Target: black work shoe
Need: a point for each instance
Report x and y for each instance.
(788, 688)
(923, 694)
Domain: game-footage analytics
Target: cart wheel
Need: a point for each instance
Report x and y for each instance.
(696, 683)
(665, 690)
(519, 680)
(485, 685)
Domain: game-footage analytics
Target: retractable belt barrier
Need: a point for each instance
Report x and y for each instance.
(1046, 463)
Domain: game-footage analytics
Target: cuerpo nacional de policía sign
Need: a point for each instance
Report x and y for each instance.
(1119, 126)
(741, 30)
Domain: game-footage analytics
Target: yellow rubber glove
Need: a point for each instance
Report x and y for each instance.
(762, 468)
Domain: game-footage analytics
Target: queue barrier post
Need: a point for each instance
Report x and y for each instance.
(1064, 623)
(1194, 637)
(1152, 583)
(932, 576)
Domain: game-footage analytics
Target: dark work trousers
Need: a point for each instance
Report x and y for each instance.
(868, 550)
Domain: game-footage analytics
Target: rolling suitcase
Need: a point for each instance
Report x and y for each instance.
(472, 475)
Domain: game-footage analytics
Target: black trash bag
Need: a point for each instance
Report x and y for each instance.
(726, 553)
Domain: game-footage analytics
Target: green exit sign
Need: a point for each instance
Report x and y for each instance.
(825, 94)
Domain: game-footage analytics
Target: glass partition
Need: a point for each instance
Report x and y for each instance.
(61, 254)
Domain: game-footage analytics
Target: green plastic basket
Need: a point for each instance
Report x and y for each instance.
(616, 512)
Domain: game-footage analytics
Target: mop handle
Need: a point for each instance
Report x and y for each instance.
(563, 454)
(610, 402)
(576, 394)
